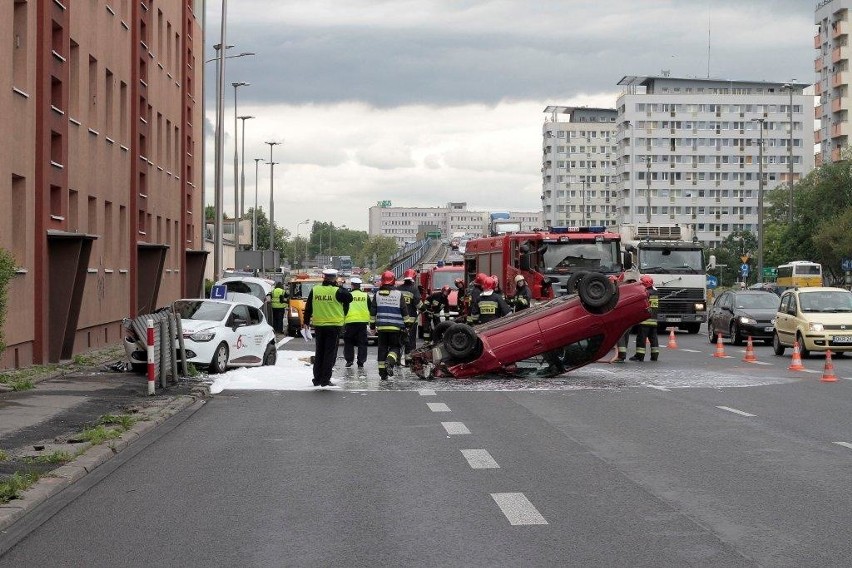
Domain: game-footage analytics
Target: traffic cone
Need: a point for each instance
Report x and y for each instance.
(828, 375)
(672, 339)
(750, 357)
(720, 348)
(796, 365)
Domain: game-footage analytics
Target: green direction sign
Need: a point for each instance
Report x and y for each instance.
(770, 272)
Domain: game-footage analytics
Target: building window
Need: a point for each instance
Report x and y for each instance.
(19, 38)
(19, 219)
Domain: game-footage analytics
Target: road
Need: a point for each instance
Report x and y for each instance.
(693, 460)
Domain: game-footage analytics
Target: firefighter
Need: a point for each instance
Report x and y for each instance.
(497, 288)
(387, 318)
(523, 297)
(432, 307)
(411, 295)
(461, 300)
(472, 296)
(489, 305)
(355, 326)
(326, 308)
(648, 328)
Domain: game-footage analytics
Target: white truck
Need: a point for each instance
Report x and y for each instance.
(673, 257)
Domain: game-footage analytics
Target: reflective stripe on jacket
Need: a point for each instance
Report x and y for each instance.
(388, 309)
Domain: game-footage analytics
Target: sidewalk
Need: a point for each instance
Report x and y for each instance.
(72, 422)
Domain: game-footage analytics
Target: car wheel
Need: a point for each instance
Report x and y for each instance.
(596, 292)
(692, 328)
(220, 359)
(270, 355)
(805, 353)
(736, 338)
(711, 333)
(573, 282)
(460, 341)
(776, 345)
(440, 329)
(141, 368)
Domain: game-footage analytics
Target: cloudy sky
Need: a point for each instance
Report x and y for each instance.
(423, 102)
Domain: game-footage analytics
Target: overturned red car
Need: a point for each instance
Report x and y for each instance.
(545, 340)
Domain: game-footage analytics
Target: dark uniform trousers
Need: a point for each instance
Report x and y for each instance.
(389, 343)
(355, 335)
(327, 338)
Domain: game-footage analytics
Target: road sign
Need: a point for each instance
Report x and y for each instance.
(712, 281)
(744, 269)
(218, 292)
(744, 258)
(846, 264)
(770, 272)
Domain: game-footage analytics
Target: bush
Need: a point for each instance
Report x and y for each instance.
(7, 271)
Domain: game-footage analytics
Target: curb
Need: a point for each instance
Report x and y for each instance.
(62, 477)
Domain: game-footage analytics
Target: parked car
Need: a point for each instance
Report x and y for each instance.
(818, 318)
(738, 314)
(542, 341)
(219, 334)
(260, 288)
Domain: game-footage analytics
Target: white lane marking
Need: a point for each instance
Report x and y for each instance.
(735, 411)
(760, 363)
(844, 444)
(658, 387)
(480, 459)
(426, 392)
(518, 509)
(438, 407)
(455, 428)
(282, 342)
(811, 371)
(691, 350)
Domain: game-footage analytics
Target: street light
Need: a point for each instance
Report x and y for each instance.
(305, 222)
(219, 146)
(254, 211)
(237, 212)
(243, 168)
(790, 86)
(760, 203)
(648, 190)
(243, 54)
(271, 196)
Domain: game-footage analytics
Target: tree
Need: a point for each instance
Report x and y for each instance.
(281, 235)
(729, 255)
(379, 247)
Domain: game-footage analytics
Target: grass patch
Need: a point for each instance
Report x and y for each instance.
(19, 384)
(99, 434)
(56, 457)
(3, 456)
(11, 487)
(85, 360)
(125, 421)
(191, 370)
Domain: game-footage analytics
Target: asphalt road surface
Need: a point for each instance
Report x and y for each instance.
(690, 461)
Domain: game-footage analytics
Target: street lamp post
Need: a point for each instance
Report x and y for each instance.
(218, 161)
(648, 190)
(760, 203)
(789, 87)
(237, 212)
(305, 222)
(254, 211)
(243, 168)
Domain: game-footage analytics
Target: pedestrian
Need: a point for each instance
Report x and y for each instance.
(279, 307)
(523, 297)
(326, 308)
(387, 318)
(648, 328)
(433, 306)
(411, 295)
(355, 326)
(489, 305)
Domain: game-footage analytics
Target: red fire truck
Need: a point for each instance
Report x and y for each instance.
(548, 260)
(435, 277)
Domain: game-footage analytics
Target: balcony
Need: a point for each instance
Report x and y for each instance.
(818, 111)
(839, 54)
(835, 155)
(839, 29)
(817, 136)
(839, 79)
(818, 160)
(817, 88)
(818, 64)
(839, 104)
(817, 41)
(839, 129)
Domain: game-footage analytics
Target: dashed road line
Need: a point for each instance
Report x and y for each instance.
(281, 343)
(658, 387)
(518, 509)
(438, 407)
(480, 459)
(426, 392)
(455, 428)
(844, 444)
(691, 350)
(735, 411)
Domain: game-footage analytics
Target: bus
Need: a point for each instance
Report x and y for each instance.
(799, 273)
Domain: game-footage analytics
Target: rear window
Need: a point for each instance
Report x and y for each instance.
(767, 301)
(201, 310)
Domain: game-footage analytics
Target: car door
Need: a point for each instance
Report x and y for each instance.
(240, 338)
(261, 332)
(723, 318)
(785, 323)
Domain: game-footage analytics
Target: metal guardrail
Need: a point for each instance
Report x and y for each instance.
(167, 330)
(409, 256)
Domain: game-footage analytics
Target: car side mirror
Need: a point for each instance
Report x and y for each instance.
(627, 261)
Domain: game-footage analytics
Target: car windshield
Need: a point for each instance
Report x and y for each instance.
(570, 257)
(826, 301)
(768, 301)
(301, 289)
(445, 278)
(201, 310)
(670, 260)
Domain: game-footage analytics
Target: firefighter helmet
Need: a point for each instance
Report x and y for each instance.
(388, 277)
(459, 282)
(646, 281)
(490, 283)
(409, 274)
(480, 279)
(445, 290)
(519, 278)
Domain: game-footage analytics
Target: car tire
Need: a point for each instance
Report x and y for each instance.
(140, 368)
(270, 356)
(712, 337)
(777, 347)
(692, 328)
(220, 360)
(596, 292)
(460, 341)
(574, 282)
(736, 338)
(805, 353)
(440, 329)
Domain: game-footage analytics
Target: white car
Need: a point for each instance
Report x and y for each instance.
(222, 334)
(260, 288)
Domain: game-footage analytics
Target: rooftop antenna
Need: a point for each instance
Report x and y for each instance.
(708, 37)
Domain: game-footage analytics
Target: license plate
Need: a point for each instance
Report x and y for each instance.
(768, 328)
(842, 339)
(673, 319)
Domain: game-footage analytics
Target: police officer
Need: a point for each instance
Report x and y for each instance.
(523, 296)
(489, 305)
(387, 317)
(432, 307)
(326, 307)
(411, 295)
(355, 325)
(648, 328)
(279, 307)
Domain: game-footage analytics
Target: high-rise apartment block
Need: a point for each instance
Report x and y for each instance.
(832, 78)
(100, 167)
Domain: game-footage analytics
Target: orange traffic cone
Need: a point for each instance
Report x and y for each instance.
(828, 375)
(796, 365)
(672, 339)
(720, 348)
(750, 357)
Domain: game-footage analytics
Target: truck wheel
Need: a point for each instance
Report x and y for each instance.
(692, 328)
(460, 341)
(596, 292)
(440, 329)
(573, 282)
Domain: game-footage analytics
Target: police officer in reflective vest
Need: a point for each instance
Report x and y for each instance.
(279, 307)
(387, 317)
(489, 305)
(355, 325)
(411, 295)
(326, 308)
(648, 328)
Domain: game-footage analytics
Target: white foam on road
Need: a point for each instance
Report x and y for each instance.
(480, 459)
(518, 509)
(292, 371)
(426, 392)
